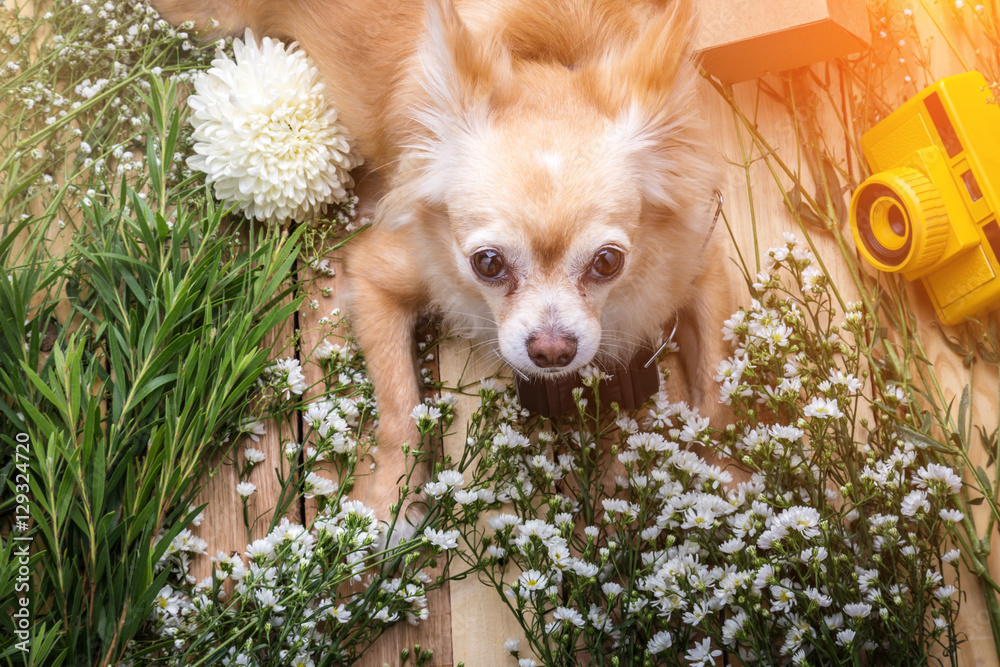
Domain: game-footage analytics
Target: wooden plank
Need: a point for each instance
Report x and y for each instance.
(434, 633)
(480, 621)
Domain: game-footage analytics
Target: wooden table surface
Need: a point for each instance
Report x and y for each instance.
(467, 622)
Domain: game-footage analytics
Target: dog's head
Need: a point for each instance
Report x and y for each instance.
(570, 194)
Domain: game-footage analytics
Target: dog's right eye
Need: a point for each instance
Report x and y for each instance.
(489, 264)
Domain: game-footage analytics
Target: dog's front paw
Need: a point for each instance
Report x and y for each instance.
(394, 489)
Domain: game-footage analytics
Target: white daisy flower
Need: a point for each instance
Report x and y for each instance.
(702, 653)
(592, 375)
(805, 520)
(325, 350)
(425, 414)
(659, 642)
(915, 501)
(952, 516)
(341, 614)
(253, 456)
(266, 138)
(858, 609)
(823, 408)
(245, 489)
(935, 472)
(463, 497)
(267, 599)
(165, 603)
(445, 539)
(945, 592)
(501, 521)
(569, 615)
(453, 478)
(317, 485)
(253, 428)
(533, 580)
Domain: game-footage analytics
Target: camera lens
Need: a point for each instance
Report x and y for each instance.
(899, 221)
(883, 225)
(896, 219)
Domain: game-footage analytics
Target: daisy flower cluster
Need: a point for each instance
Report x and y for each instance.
(310, 595)
(622, 541)
(79, 76)
(314, 593)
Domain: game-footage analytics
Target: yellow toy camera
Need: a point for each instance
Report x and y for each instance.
(929, 209)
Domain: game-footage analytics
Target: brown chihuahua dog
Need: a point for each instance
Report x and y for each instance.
(542, 181)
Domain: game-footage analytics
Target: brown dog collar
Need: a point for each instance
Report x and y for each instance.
(629, 385)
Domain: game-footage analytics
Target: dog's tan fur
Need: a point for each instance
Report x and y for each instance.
(547, 130)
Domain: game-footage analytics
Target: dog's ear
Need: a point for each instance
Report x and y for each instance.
(654, 61)
(460, 72)
(460, 68)
(649, 87)
(646, 69)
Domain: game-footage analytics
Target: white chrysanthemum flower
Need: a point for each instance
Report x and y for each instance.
(425, 414)
(806, 520)
(702, 653)
(569, 615)
(823, 408)
(501, 521)
(945, 592)
(267, 139)
(915, 501)
(592, 375)
(933, 472)
(952, 516)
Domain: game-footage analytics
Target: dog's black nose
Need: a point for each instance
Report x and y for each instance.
(551, 350)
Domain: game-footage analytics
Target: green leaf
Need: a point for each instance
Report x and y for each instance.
(43, 389)
(963, 414)
(984, 482)
(97, 470)
(922, 439)
(149, 387)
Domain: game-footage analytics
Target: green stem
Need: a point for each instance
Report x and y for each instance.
(993, 612)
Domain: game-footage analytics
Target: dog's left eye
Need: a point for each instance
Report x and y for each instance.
(607, 262)
(489, 265)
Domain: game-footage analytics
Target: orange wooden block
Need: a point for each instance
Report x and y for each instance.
(745, 40)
